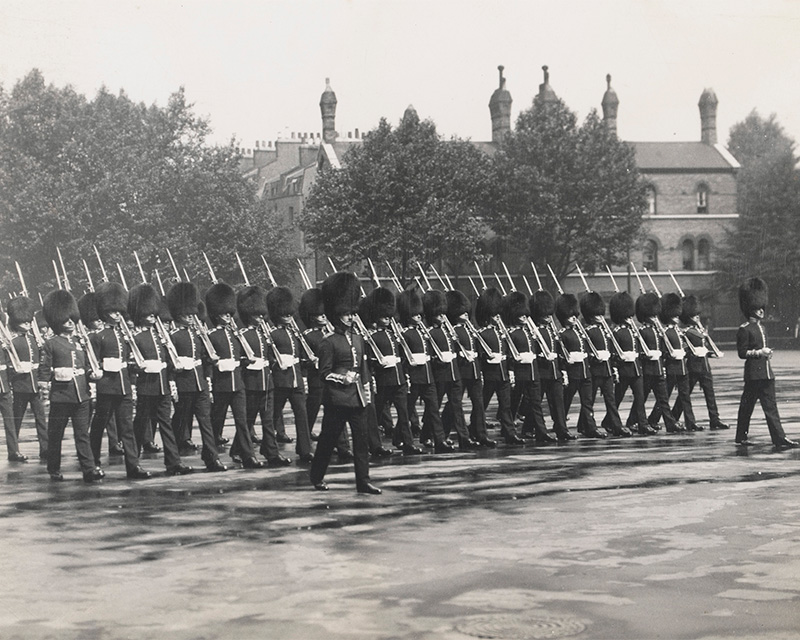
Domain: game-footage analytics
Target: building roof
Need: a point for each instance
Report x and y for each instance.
(685, 156)
(489, 148)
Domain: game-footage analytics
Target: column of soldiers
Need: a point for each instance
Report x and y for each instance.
(128, 363)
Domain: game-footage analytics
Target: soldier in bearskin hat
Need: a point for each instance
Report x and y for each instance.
(593, 310)
(251, 303)
(227, 383)
(697, 359)
(286, 370)
(654, 375)
(152, 383)
(418, 367)
(312, 315)
(65, 370)
(114, 392)
(759, 379)
(23, 380)
(345, 373)
(542, 306)
(675, 364)
(576, 354)
(7, 403)
(189, 373)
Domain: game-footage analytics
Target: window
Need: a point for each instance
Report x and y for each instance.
(650, 255)
(687, 249)
(702, 198)
(291, 215)
(704, 255)
(651, 200)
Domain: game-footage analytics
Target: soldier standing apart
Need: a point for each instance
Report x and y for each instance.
(344, 370)
(114, 392)
(23, 380)
(759, 379)
(65, 369)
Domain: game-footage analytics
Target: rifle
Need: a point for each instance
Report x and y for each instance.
(80, 328)
(395, 279)
(702, 329)
(303, 275)
(161, 330)
(603, 323)
(7, 341)
(508, 275)
(138, 356)
(246, 348)
(100, 262)
(673, 352)
(483, 280)
(37, 334)
(580, 328)
(647, 351)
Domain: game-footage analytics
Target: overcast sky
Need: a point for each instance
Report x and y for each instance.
(256, 68)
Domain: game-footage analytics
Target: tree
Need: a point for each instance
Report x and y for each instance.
(567, 194)
(127, 178)
(405, 196)
(766, 241)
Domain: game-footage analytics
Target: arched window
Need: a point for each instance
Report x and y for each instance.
(704, 255)
(687, 249)
(651, 200)
(702, 198)
(650, 255)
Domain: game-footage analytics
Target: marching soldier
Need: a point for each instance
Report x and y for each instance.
(251, 303)
(190, 378)
(344, 370)
(23, 380)
(699, 366)
(65, 369)
(287, 376)
(227, 384)
(759, 379)
(152, 383)
(114, 392)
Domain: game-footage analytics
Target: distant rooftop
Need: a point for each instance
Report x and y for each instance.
(682, 155)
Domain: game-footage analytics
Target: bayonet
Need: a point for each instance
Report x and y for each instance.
(536, 273)
(613, 281)
(122, 277)
(510, 280)
(211, 273)
(553, 275)
(241, 268)
(174, 266)
(88, 276)
(21, 280)
(483, 280)
(269, 272)
(139, 264)
(63, 270)
(100, 262)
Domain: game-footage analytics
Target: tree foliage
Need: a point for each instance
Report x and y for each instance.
(567, 194)
(766, 242)
(125, 177)
(405, 196)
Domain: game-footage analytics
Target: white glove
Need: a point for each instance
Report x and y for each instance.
(63, 374)
(112, 365)
(677, 354)
(226, 364)
(387, 362)
(629, 356)
(350, 377)
(470, 356)
(495, 358)
(286, 361)
(701, 352)
(447, 357)
(257, 365)
(25, 367)
(551, 356)
(185, 363)
(153, 366)
(654, 354)
(603, 355)
(574, 357)
(419, 359)
(526, 357)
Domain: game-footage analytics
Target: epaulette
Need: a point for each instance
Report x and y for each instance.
(175, 330)
(215, 329)
(742, 326)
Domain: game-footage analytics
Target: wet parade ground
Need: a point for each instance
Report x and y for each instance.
(667, 536)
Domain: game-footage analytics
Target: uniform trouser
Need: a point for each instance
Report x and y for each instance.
(706, 381)
(502, 389)
(658, 385)
(764, 392)
(156, 410)
(682, 385)
(313, 399)
(527, 397)
(258, 404)
(637, 415)
(21, 402)
(431, 419)
(7, 411)
(454, 390)
(60, 414)
(373, 432)
(333, 422)
(396, 395)
(121, 409)
(237, 402)
(553, 388)
(611, 421)
(195, 404)
(477, 416)
(583, 387)
(297, 400)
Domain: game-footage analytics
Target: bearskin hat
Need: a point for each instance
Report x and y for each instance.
(566, 307)
(111, 296)
(434, 304)
(310, 305)
(341, 293)
(58, 307)
(183, 300)
(220, 299)
(280, 303)
(647, 306)
(690, 309)
(250, 302)
(457, 305)
(621, 307)
(382, 303)
(489, 304)
(671, 306)
(365, 311)
(143, 300)
(753, 295)
(592, 305)
(409, 304)
(87, 306)
(541, 305)
(19, 310)
(515, 305)
(201, 312)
